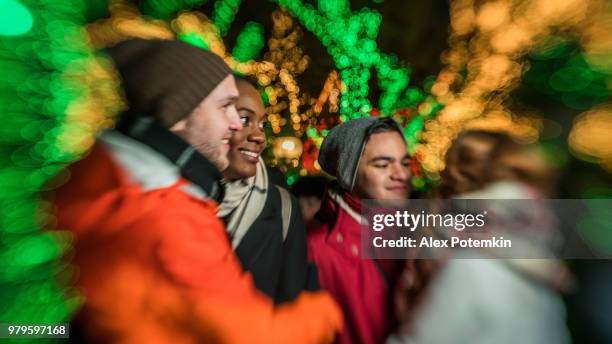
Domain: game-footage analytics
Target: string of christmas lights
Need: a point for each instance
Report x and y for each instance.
(490, 45)
(350, 39)
(249, 42)
(164, 9)
(287, 56)
(224, 14)
(55, 94)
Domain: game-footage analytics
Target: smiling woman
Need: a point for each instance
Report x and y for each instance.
(270, 243)
(247, 144)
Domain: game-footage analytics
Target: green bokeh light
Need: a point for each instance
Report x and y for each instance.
(350, 38)
(559, 69)
(194, 39)
(165, 8)
(597, 226)
(224, 13)
(249, 43)
(35, 95)
(15, 18)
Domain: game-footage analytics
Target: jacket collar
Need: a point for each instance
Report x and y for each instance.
(174, 153)
(145, 166)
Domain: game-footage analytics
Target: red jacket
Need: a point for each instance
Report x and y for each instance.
(156, 266)
(358, 285)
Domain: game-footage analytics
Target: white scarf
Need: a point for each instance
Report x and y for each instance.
(243, 202)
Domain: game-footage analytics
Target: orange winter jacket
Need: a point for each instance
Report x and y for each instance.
(156, 266)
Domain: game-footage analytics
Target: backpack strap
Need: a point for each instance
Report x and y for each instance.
(285, 210)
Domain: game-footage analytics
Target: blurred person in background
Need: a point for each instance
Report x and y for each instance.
(155, 262)
(493, 300)
(369, 158)
(309, 191)
(263, 220)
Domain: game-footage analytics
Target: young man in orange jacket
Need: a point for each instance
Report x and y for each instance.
(156, 265)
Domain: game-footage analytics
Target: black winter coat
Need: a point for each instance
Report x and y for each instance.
(280, 269)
